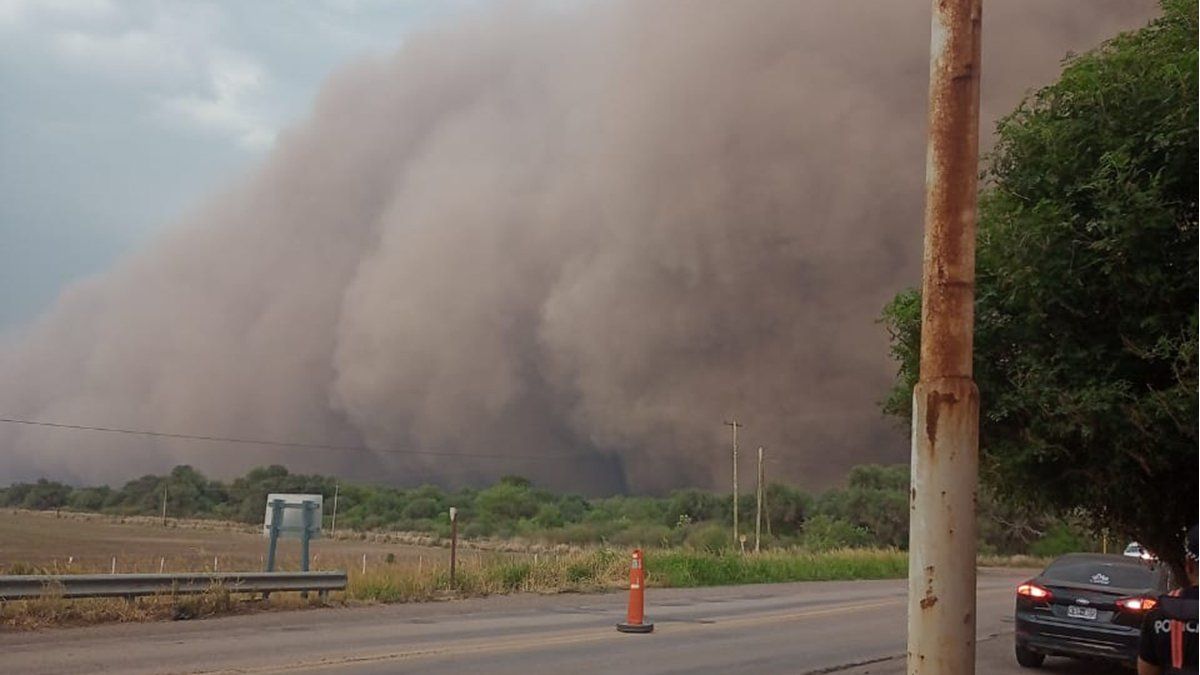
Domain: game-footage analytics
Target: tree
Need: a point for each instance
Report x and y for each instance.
(875, 501)
(1085, 348)
(46, 495)
(506, 501)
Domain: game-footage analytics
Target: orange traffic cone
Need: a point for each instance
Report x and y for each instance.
(634, 619)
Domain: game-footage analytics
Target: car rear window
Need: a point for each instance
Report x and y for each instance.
(1101, 573)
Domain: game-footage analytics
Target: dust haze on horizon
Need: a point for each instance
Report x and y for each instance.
(593, 231)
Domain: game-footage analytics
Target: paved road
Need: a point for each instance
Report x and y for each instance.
(851, 627)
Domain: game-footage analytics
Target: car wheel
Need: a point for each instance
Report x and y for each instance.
(1028, 658)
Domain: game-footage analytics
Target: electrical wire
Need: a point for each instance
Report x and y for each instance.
(279, 444)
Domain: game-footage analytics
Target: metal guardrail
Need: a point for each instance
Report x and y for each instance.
(21, 587)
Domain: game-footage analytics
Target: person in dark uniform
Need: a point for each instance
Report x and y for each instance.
(1168, 644)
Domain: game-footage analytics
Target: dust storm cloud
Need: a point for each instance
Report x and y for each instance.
(591, 232)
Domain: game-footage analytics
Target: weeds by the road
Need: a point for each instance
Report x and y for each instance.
(608, 569)
(577, 572)
(51, 609)
(685, 568)
(594, 570)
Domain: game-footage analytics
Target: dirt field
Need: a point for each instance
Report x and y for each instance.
(77, 543)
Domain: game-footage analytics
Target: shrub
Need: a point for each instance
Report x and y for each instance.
(1060, 539)
(711, 537)
(822, 533)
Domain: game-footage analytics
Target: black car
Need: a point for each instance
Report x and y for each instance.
(1086, 605)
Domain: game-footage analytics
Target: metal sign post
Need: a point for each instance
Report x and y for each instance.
(305, 536)
(945, 421)
(292, 515)
(276, 520)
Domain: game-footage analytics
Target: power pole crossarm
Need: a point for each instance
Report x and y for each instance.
(945, 424)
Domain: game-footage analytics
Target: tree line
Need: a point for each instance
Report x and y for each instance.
(870, 510)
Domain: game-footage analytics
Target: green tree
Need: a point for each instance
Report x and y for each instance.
(45, 495)
(875, 502)
(506, 501)
(1085, 350)
(787, 508)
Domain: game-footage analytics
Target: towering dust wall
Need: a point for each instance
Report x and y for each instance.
(592, 233)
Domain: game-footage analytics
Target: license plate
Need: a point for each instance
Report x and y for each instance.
(1088, 613)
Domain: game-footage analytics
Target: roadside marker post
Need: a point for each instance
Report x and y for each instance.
(453, 543)
(635, 617)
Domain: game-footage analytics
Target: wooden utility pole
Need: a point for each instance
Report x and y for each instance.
(758, 501)
(735, 425)
(333, 524)
(766, 503)
(945, 424)
(164, 504)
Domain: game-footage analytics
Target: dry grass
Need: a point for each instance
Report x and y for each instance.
(52, 610)
(34, 542)
(76, 543)
(40, 543)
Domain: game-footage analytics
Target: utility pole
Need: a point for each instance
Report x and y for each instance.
(945, 426)
(333, 524)
(758, 502)
(164, 504)
(766, 505)
(735, 424)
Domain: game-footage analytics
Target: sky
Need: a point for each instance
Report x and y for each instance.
(118, 115)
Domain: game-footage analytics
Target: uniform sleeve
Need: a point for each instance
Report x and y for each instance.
(1146, 645)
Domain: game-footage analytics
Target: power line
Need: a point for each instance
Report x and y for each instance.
(279, 444)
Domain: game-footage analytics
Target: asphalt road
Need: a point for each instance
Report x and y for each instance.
(824, 627)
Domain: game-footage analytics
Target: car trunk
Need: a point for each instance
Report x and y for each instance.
(1092, 605)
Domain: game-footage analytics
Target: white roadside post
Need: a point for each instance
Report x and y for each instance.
(453, 543)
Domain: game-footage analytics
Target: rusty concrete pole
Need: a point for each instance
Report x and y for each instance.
(945, 423)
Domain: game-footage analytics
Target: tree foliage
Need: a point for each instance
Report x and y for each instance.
(869, 510)
(1086, 290)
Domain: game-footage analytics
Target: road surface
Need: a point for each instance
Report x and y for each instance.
(823, 627)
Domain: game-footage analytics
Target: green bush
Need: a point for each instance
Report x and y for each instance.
(1060, 539)
(822, 533)
(423, 507)
(548, 516)
(511, 575)
(645, 535)
(710, 537)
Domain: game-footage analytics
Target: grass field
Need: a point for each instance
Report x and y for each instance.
(70, 543)
(77, 543)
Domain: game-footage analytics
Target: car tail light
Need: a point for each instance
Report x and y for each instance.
(1137, 604)
(1034, 592)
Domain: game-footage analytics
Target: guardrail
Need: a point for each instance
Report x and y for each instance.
(21, 587)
